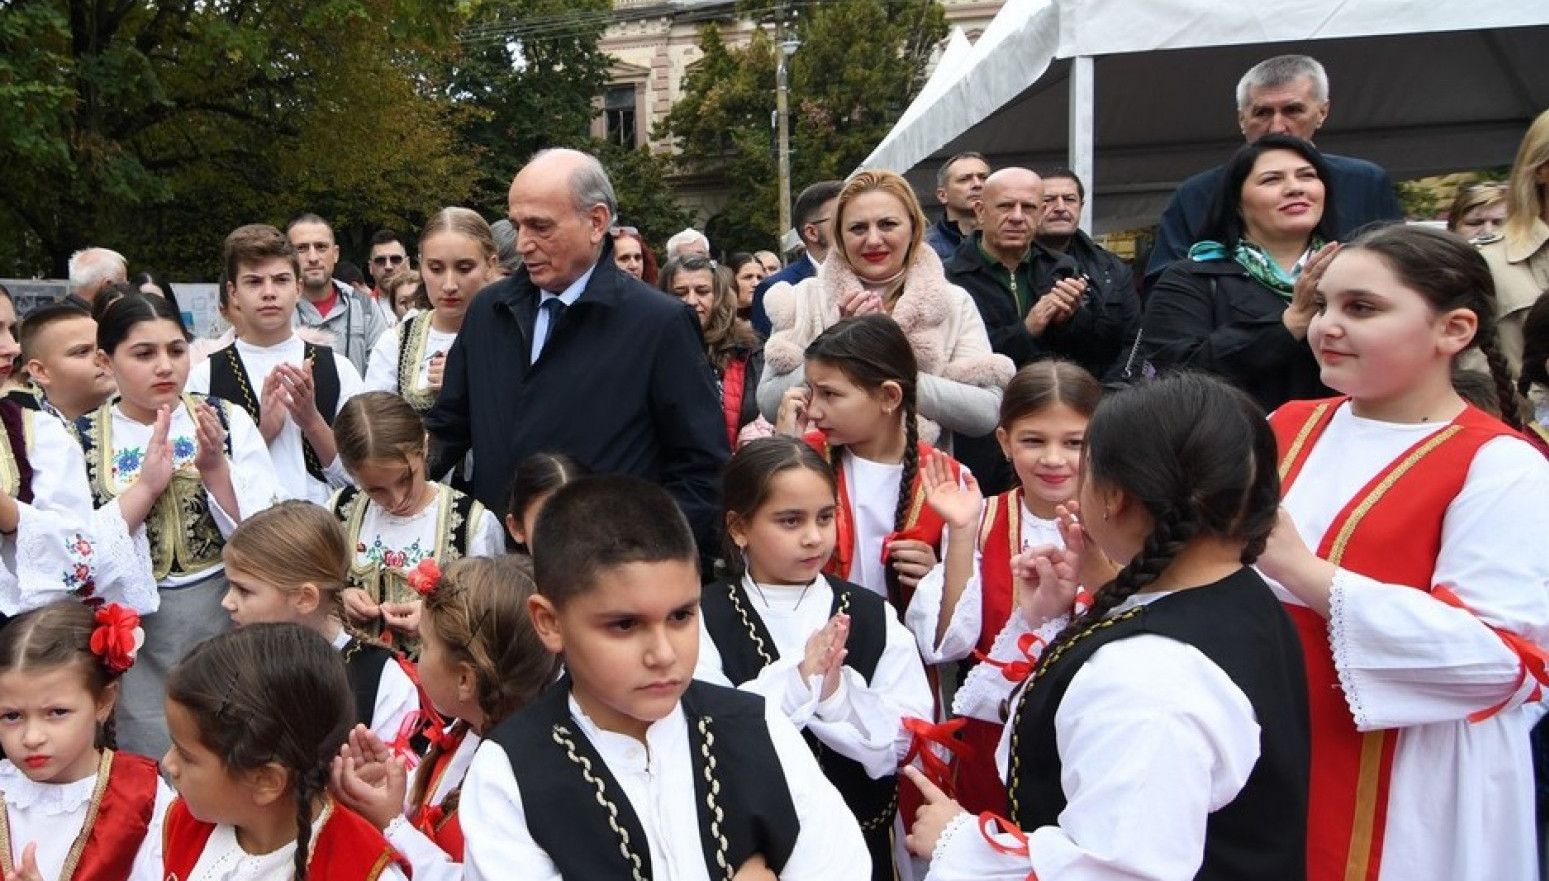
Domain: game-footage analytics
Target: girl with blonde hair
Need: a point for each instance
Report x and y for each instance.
(1519, 259)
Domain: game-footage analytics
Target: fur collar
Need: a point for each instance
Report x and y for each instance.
(922, 308)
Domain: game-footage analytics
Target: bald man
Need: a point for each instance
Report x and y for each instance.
(571, 354)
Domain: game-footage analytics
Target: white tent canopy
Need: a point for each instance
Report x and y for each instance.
(1136, 95)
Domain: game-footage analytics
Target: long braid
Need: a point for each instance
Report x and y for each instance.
(911, 470)
(308, 786)
(1511, 408)
(107, 735)
(1172, 532)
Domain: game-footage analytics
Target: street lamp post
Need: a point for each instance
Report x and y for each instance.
(787, 48)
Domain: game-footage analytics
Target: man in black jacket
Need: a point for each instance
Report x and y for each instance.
(570, 354)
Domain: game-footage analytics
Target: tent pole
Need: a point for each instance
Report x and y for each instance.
(1082, 99)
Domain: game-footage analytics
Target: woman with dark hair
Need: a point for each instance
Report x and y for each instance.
(748, 272)
(632, 254)
(734, 349)
(1234, 307)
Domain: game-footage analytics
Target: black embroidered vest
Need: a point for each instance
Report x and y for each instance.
(1239, 625)
(229, 381)
(746, 647)
(566, 785)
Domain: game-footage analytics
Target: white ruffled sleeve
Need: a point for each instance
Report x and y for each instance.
(489, 537)
(924, 615)
(252, 473)
(1406, 658)
(382, 365)
(986, 688)
(427, 860)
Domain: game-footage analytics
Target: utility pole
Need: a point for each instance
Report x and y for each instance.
(783, 124)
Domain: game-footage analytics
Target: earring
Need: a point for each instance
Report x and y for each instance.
(1105, 515)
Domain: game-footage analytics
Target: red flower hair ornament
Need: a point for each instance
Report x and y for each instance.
(117, 638)
(425, 577)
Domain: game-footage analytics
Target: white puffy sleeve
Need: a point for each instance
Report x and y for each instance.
(382, 365)
(252, 473)
(496, 842)
(488, 536)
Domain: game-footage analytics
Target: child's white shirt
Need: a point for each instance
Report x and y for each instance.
(860, 722)
(658, 779)
(426, 858)
(285, 449)
(53, 816)
(382, 366)
(400, 543)
(396, 696)
(223, 859)
(873, 491)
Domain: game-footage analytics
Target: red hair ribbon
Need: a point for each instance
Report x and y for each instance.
(1533, 659)
(1031, 647)
(425, 576)
(117, 637)
(924, 735)
(1019, 849)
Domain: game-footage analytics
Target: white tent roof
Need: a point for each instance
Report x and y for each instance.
(1418, 86)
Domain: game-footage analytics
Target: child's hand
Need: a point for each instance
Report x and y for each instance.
(271, 407)
(792, 417)
(368, 779)
(300, 394)
(156, 469)
(210, 442)
(755, 869)
(958, 504)
(437, 369)
(825, 654)
(912, 559)
(933, 816)
(1289, 561)
(359, 606)
(1092, 566)
(402, 617)
(1045, 582)
(28, 870)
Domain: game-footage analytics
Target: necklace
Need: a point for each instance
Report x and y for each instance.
(758, 587)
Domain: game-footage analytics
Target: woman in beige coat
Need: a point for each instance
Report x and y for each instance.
(1519, 256)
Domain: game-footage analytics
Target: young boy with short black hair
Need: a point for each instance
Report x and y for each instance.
(628, 768)
(59, 351)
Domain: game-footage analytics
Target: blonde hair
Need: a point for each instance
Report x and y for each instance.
(377, 426)
(1472, 196)
(892, 184)
(463, 221)
(292, 544)
(1525, 195)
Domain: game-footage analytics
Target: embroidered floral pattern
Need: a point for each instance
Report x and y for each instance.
(78, 577)
(394, 558)
(127, 461)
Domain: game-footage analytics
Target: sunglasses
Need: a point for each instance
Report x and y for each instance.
(623, 231)
(384, 259)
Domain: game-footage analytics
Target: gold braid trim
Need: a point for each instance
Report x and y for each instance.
(78, 847)
(10, 472)
(563, 737)
(413, 337)
(1342, 539)
(747, 621)
(712, 795)
(1044, 663)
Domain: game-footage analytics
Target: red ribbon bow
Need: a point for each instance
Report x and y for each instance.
(923, 735)
(425, 576)
(1018, 671)
(1534, 660)
(115, 640)
(1020, 849)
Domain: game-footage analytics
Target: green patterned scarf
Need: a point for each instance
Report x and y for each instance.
(1256, 261)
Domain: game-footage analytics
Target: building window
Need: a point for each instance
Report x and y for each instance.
(619, 108)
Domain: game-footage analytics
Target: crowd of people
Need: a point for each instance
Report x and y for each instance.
(1229, 566)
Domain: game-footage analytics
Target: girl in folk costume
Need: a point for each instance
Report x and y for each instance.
(73, 806)
(395, 517)
(1412, 557)
(964, 602)
(480, 661)
(837, 662)
(287, 564)
(535, 480)
(1163, 731)
(177, 472)
(457, 257)
(256, 717)
(860, 393)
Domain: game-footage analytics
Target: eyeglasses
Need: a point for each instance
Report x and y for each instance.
(384, 259)
(623, 231)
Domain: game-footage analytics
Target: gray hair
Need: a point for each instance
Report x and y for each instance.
(505, 244)
(686, 237)
(1283, 70)
(93, 267)
(944, 173)
(589, 183)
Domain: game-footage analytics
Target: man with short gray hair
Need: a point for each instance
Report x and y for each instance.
(93, 270)
(688, 241)
(1288, 95)
(571, 354)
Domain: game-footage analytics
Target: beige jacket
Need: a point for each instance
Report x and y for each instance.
(1521, 271)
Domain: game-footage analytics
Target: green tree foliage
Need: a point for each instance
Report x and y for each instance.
(156, 127)
(858, 65)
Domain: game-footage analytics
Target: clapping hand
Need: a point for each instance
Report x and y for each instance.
(210, 441)
(825, 654)
(368, 779)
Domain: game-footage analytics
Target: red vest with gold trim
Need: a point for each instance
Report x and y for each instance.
(347, 848)
(435, 821)
(1390, 531)
(921, 524)
(123, 805)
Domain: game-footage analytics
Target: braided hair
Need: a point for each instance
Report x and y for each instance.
(871, 350)
(1199, 457)
(270, 693)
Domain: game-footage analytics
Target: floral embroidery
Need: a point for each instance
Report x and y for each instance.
(127, 461)
(182, 448)
(394, 558)
(77, 577)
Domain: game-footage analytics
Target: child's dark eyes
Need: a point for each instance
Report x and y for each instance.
(681, 615)
(10, 716)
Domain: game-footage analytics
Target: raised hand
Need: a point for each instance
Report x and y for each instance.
(28, 870)
(1304, 302)
(368, 778)
(791, 419)
(437, 368)
(300, 393)
(1045, 580)
(937, 810)
(271, 417)
(1093, 568)
(958, 503)
(156, 469)
(825, 653)
(210, 441)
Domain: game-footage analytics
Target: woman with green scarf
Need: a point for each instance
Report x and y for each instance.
(1233, 308)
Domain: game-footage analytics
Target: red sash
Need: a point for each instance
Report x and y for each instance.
(122, 805)
(733, 385)
(440, 825)
(1390, 531)
(921, 524)
(348, 848)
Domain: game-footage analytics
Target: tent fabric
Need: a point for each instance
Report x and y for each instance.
(1417, 87)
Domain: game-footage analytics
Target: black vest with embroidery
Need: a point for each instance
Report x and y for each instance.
(1239, 625)
(569, 790)
(746, 647)
(229, 381)
(183, 536)
(364, 661)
